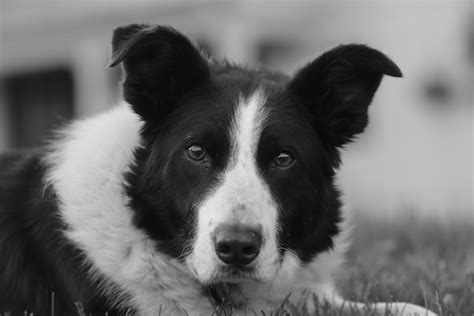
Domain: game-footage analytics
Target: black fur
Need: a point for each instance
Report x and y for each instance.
(338, 87)
(309, 201)
(160, 66)
(184, 99)
(36, 259)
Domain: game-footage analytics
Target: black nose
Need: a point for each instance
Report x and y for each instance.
(237, 245)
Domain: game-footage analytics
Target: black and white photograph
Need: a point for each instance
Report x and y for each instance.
(237, 157)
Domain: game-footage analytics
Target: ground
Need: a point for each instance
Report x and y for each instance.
(412, 260)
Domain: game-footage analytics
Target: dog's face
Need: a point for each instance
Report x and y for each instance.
(234, 176)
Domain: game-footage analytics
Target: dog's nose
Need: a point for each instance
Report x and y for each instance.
(237, 245)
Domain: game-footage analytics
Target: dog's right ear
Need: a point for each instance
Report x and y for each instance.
(160, 65)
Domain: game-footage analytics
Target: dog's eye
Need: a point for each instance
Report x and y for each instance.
(196, 152)
(284, 159)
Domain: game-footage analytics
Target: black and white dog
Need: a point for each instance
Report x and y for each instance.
(212, 184)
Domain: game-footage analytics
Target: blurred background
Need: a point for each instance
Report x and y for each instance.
(416, 157)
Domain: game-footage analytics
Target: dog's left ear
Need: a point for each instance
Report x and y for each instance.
(161, 65)
(337, 89)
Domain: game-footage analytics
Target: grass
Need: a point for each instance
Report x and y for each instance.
(418, 261)
(421, 262)
(427, 263)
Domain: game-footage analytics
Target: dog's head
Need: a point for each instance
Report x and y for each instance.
(234, 176)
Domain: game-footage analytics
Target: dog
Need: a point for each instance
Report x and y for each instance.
(210, 185)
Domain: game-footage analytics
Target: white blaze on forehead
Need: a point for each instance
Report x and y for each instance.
(242, 196)
(247, 126)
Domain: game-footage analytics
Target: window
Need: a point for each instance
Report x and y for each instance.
(36, 103)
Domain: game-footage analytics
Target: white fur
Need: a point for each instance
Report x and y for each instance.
(87, 171)
(242, 197)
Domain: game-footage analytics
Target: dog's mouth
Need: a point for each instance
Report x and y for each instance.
(225, 295)
(225, 288)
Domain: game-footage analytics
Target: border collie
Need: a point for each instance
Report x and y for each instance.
(211, 185)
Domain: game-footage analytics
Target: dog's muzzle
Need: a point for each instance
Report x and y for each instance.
(237, 245)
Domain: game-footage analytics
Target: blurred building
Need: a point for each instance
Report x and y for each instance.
(417, 153)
